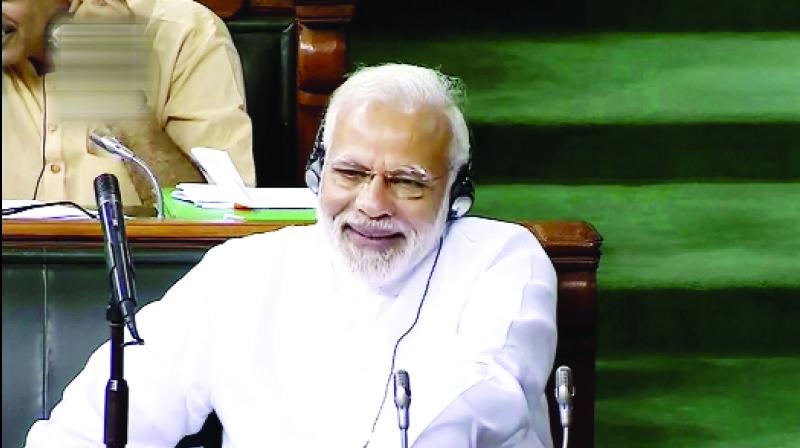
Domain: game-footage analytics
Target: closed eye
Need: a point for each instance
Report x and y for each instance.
(407, 182)
(351, 173)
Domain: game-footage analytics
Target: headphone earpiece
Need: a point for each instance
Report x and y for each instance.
(315, 160)
(462, 192)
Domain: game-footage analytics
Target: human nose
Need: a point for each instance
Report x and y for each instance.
(375, 199)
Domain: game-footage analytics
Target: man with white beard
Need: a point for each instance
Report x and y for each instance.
(292, 337)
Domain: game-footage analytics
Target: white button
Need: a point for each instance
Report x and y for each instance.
(52, 127)
(55, 168)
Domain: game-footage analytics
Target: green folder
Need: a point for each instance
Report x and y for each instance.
(174, 208)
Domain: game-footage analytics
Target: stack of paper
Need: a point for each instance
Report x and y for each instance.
(214, 196)
(227, 190)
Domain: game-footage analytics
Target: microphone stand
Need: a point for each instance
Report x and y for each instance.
(115, 432)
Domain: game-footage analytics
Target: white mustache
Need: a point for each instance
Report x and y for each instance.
(382, 225)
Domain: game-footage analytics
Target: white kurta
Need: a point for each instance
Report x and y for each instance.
(290, 351)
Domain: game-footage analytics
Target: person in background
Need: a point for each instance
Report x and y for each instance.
(292, 336)
(194, 96)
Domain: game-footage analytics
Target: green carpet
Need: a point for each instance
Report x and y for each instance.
(611, 77)
(692, 236)
(698, 401)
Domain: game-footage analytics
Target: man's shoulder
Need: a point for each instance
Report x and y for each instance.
(483, 240)
(187, 13)
(481, 231)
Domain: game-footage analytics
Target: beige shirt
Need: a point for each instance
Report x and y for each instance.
(196, 94)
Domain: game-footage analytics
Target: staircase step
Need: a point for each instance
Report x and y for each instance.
(636, 154)
(678, 320)
(696, 401)
(619, 107)
(684, 235)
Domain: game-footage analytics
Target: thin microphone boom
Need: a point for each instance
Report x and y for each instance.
(113, 146)
(564, 393)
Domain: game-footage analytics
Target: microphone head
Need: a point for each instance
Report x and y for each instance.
(111, 145)
(402, 389)
(564, 388)
(105, 185)
(563, 375)
(564, 393)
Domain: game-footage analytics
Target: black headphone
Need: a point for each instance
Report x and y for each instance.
(462, 192)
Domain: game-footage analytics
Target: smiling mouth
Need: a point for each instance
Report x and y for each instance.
(374, 234)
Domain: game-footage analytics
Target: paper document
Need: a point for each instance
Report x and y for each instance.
(212, 196)
(227, 189)
(49, 212)
(218, 168)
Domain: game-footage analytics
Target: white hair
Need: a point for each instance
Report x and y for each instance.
(408, 86)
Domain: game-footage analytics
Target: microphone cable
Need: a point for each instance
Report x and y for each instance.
(400, 339)
(44, 137)
(23, 208)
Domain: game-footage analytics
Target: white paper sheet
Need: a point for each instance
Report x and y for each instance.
(226, 188)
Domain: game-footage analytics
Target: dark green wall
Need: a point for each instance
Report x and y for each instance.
(581, 15)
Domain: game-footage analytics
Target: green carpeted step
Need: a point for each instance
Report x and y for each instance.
(710, 402)
(726, 321)
(686, 268)
(619, 107)
(635, 153)
(690, 236)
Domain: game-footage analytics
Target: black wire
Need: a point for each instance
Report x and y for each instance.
(23, 208)
(397, 344)
(44, 137)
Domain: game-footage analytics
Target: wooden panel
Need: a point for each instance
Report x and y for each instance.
(321, 59)
(321, 66)
(267, 6)
(224, 8)
(569, 242)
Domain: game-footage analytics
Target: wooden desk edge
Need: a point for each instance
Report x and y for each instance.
(557, 237)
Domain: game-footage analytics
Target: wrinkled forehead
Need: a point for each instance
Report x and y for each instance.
(391, 136)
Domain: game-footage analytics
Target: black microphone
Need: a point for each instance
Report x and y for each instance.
(402, 400)
(118, 257)
(564, 391)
